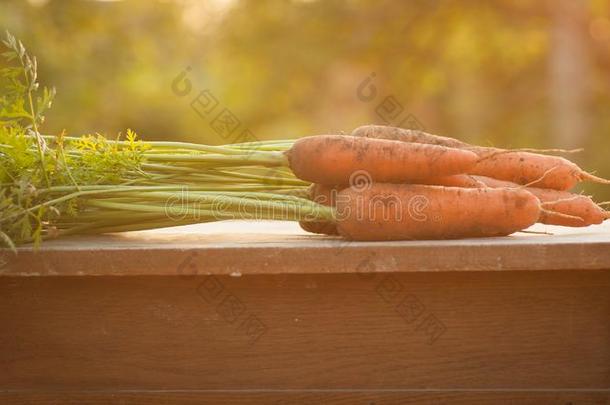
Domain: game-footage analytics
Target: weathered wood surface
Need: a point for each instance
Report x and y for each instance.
(468, 335)
(241, 247)
(248, 314)
(310, 398)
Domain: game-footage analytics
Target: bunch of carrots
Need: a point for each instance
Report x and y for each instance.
(377, 183)
(425, 186)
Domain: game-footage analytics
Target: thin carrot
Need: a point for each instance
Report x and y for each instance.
(543, 171)
(551, 217)
(520, 166)
(406, 135)
(560, 207)
(416, 212)
(562, 202)
(334, 159)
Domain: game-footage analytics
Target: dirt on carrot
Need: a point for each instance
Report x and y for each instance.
(333, 159)
(418, 212)
(518, 166)
(559, 207)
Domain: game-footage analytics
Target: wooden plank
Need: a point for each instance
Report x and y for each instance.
(508, 332)
(309, 398)
(276, 247)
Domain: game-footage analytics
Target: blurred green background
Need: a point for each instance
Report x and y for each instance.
(507, 73)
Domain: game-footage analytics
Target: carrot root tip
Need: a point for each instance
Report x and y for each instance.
(536, 232)
(578, 150)
(593, 178)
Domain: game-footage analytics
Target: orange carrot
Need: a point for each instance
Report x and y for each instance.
(406, 135)
(335, 159)
(560, 207)
(562, 202)
(416, 212)
(533, 169)
(324, 195)
(517, 166)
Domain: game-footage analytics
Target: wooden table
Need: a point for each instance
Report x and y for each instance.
(244, 313)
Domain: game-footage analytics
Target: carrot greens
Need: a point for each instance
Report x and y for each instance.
(58, 185)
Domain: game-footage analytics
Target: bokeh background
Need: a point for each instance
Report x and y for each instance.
(512, 73)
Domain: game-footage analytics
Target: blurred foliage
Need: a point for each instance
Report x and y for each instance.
(475, 70)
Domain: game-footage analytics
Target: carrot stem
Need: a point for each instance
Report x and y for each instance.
(268, 159)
